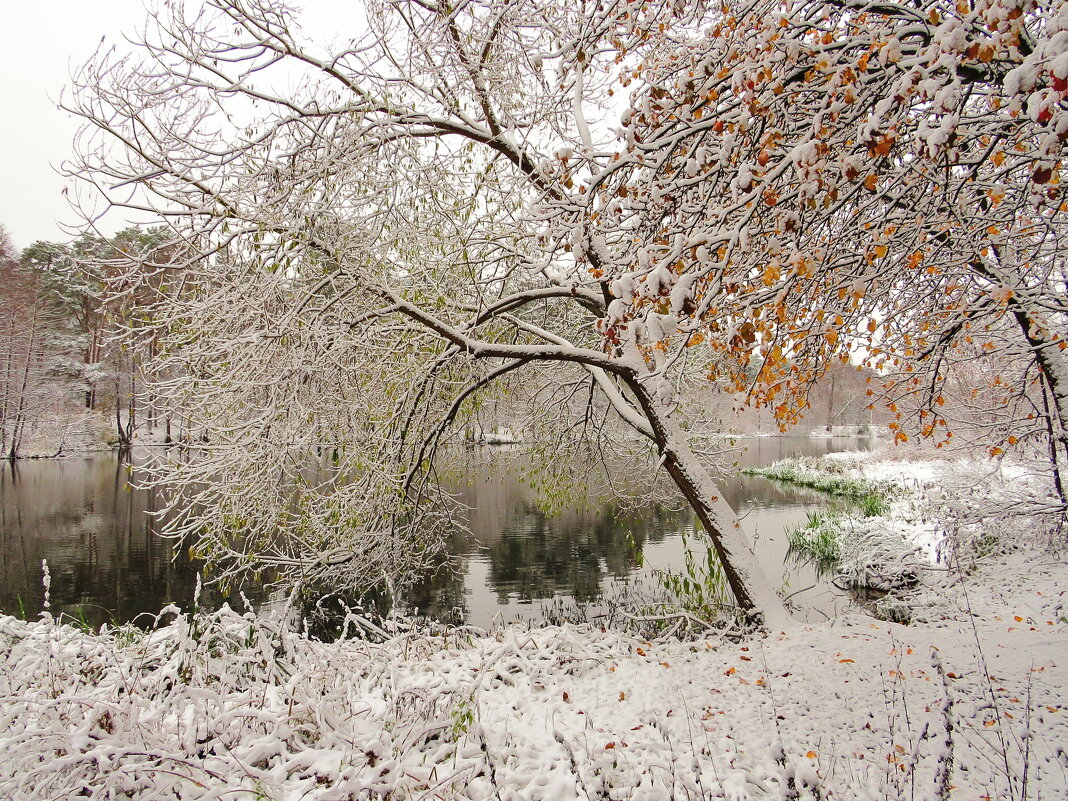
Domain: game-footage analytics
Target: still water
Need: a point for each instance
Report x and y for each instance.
(107, 565)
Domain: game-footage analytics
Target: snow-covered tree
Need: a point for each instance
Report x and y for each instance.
(810, 180)
(37, 365)
(616, 196)
(84, 281)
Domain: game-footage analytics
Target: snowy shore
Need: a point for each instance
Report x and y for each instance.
(969, 702)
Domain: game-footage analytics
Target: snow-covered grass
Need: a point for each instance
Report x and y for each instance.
(909, 515)
(226, 706)
(878, 541)
(969, 702)
(828, 476)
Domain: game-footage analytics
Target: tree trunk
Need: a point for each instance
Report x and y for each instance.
(750, 586)
(1044, 343)
(119, 432)
(830, 402)
(1054, 369)
(20, 409)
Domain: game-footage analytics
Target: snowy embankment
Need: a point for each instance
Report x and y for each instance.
(971, 703)
(905, 518)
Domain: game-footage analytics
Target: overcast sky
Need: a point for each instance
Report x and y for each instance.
(40, 44)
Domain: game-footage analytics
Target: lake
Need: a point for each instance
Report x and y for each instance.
(107, 565)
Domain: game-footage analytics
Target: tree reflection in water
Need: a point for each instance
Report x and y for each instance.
(540, 557)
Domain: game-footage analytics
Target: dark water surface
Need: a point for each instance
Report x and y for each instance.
(107, 565)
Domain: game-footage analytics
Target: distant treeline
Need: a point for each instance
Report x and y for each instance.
(69, 376)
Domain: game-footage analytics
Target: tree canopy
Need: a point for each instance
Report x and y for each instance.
(614, 196)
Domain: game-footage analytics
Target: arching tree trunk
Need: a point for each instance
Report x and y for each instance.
(746, 578)
(750, 586)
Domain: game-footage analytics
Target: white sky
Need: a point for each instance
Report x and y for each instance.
(41, 42)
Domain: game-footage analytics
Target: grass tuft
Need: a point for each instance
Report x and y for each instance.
(819, 539)
(873, 498)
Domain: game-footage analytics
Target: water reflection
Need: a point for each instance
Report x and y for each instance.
(107, 565)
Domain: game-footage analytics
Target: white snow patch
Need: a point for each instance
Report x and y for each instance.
(230, 705)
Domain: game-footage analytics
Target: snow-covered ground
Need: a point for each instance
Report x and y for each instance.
(970, 702)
